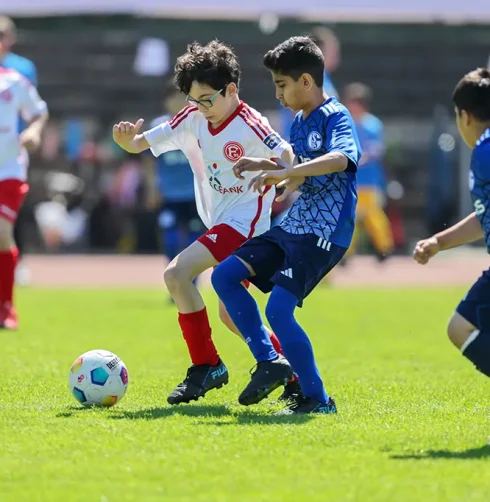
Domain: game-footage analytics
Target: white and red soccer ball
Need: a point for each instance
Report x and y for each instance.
(98, 378)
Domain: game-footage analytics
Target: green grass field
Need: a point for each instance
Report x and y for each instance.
(412, 423)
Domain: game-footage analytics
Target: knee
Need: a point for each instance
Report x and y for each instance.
(174, 276)
(459, 329)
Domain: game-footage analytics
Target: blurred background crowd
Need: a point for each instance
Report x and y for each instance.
(100, 64)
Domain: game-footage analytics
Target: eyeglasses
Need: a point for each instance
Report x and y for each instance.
(205, 103)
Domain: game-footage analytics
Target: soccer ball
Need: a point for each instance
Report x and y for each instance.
(98, 378)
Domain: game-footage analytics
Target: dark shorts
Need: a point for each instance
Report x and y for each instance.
(475, 306)
(294, 262)
(180, 214)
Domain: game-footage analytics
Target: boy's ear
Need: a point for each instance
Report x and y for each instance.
(232, 89)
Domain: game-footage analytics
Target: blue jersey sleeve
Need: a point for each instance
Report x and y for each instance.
(342, 137)
(31, 73)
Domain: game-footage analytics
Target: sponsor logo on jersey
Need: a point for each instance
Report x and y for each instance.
(215, 183)
(272, 141)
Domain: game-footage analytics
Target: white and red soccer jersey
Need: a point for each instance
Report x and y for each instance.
(221, 197)
(17, 97)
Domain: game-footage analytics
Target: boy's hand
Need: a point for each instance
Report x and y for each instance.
(426, 249)
(291, 184)
(268, 178)
(124, 132)
(30, 139)
(250, 164)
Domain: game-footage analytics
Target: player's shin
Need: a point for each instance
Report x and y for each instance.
(242, 308)
(295, 343)
(477, 350)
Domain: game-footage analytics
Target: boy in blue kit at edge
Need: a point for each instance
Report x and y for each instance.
(291, 259)
(469, 327)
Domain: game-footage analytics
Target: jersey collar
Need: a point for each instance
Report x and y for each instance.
(223, 126)
(483, 137)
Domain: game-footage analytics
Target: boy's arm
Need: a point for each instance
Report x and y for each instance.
(34, 111)
(163, 138)
(465, 231)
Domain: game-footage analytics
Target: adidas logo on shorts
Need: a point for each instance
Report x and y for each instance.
(213, 237)
(288, 272)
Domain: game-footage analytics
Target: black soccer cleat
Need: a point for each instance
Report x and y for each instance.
(199, 380)
(292, 391)
(267, 377)
(307, 405)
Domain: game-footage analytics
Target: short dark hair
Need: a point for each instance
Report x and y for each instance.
(296, 56)
(214, 64)
(472, 94)
(358, 92)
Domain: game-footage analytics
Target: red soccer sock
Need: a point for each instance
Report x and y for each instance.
(276, 343)
(8, 262)
(197, 334)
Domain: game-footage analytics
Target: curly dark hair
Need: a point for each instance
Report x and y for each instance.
(214, 64)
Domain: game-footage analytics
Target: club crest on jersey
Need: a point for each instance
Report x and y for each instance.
(272, 141)
(233, 151)
(471, 180)
(314, 141)
(215, 183)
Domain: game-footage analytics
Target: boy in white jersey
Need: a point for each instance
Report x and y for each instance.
(214, 132)
(17, 97)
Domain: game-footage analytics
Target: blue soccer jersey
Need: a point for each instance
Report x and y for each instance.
(327, 204)
(480, 183)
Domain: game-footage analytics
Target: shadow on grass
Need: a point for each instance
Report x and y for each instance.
(183, 409)
(470, 454)
(72, 411)
(250, 418)
(217, 415)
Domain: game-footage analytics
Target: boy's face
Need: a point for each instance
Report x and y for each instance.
(290, 92)
(211, 102)
(465, 123)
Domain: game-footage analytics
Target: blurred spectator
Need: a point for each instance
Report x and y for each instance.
(371, 181)
(25, 67)
(171, 181)
(330, 46)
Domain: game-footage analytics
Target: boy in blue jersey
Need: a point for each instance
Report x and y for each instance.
(370, 175)
(291, 259)
(469, 327)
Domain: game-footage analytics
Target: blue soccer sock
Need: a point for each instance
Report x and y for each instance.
(242, 308)
(295, 342)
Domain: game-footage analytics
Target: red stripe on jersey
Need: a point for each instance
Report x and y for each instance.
(182, 115)
(260, 121)
(248, 120)
(260, 203)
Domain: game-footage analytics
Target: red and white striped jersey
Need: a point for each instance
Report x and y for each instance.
(220, 196)
(17, 98)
